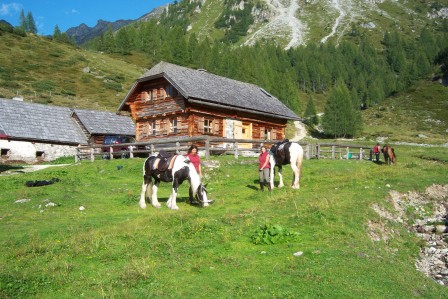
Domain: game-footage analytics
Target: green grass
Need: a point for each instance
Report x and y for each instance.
(114, 249)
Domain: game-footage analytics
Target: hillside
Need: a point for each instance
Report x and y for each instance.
(291, 23)
(419, 115)
(45, 71)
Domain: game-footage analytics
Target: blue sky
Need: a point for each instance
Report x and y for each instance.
(70, 13)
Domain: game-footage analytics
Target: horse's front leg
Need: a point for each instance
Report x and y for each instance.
(154, 201)
(272, 171)
(144, 192)
(296, 176)
(171, 203)
(280, 175)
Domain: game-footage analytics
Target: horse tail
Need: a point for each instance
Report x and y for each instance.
(393, 156)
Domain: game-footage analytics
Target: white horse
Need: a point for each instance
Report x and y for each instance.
(176, 170)
(283, 153)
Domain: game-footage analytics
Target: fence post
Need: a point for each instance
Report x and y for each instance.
(111, 152)
(236, 149)
(131, 151)
(152, 149)
(347, 151)
(307, 151)
(77, 155)
(177, 147)
(92, 157)
(207, 148)
(360, 153)
(333, 150)
(317, 151)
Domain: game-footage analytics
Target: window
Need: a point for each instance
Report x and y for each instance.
(162, 94)
(267, 134)
(173, 125)
(152, 128)
(171, 91)
(145, 96)
(208, 126)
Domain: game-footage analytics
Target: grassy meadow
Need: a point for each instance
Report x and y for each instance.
(242, 246)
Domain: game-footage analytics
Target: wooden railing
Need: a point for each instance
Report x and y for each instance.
(213, 146)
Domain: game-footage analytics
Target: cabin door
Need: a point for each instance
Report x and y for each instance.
(242, 130)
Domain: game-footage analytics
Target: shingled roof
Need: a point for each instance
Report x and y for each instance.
(38, 122)
(200, 86)
(45, 123)
(102, 122)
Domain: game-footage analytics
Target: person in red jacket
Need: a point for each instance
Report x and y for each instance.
(264, 167)
(377, 151)
(194, 158)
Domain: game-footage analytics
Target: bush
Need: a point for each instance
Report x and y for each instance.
(113, 85)
(44, 85)
(68, 92)
(272, 234)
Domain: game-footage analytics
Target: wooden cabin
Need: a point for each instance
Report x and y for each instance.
(170, 100)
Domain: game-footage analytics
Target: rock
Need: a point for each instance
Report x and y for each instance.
(441, 229)
(23, 200)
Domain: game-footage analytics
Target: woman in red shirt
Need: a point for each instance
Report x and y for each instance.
(376, 151)
(264, 167)
(194, 158)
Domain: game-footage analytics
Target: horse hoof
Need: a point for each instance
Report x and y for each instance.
(158, 206)
(143, 206)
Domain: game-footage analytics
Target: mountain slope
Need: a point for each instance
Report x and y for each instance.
(46, 71)
(298, 22)
(83, 33)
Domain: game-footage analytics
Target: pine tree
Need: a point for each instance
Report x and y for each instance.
(109, 41)
(310, 112)
(23, 21)
(31, 24)
(56, 33)
(340, 118)
(122, 42)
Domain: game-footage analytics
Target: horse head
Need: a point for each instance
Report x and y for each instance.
(201, 195)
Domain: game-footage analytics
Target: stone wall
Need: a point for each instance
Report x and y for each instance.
(30, 152)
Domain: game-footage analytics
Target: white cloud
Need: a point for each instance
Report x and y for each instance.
(8, 9)
(74, 11)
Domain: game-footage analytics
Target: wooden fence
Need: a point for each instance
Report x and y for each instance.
(214, 146)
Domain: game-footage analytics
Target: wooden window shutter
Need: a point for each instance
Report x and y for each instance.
(274, 134)
(166, 126)
(180, 124)
(158, 126)
(201, 124)
(262, 131)
(216, 126)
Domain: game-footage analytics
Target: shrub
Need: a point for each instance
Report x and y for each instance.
(113, 85)
(272, 234)
(44, 85)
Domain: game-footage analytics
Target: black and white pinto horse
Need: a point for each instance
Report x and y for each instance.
(283, 153)
(182, 169)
